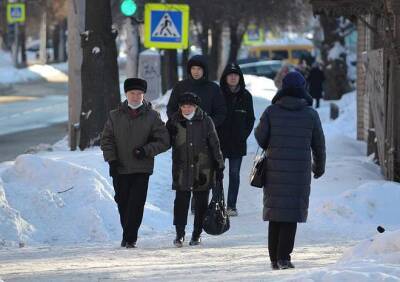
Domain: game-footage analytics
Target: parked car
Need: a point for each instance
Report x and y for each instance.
(262, 68)
(33, 48)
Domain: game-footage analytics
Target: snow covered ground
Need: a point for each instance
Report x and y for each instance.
(59, 221)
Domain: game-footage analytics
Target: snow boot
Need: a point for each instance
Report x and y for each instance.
(195, 241)
(232, 212)
(178, 242)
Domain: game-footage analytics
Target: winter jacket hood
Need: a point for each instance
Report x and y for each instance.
(232, 68)
(198, 60)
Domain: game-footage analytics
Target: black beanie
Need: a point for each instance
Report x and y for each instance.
(135, 84)
(189, 98)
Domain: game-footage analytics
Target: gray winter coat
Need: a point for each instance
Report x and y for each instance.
(123, 134)
(196, 152)
(291, 132)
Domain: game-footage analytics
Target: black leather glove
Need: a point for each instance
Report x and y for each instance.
(113, 171)
(139, 153)
(317, 172)
(219, 174)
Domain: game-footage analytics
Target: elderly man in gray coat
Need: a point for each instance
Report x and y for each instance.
(291, 133)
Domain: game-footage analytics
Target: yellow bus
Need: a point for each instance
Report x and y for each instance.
(287, 50)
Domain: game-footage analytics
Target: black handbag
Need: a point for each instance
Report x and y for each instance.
(216, 220)
(257, 174)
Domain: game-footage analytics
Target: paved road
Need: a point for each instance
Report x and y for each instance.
(32, 114)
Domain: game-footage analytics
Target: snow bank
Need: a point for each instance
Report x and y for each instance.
(261, 87)
(63, 202)
(9, 74)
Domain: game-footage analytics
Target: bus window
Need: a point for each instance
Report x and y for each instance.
(300, 54)
(264, 54)
(280, 55)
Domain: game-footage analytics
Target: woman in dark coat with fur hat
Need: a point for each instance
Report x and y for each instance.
(196, 163)
(291, 133)
(236, 128)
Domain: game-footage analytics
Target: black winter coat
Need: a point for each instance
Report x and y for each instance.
(212, 101)
(315, 82)
(239, 121)
(195, 152)
(291, 132)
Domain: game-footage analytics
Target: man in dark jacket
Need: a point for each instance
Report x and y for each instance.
(291, 132)
(196, 163)
(236, 128)
(133, 135)
(315, 81)
(197, 82)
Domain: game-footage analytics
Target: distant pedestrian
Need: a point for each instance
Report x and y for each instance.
(197, 163)
(315, 81)
(290, 131)
(280, 75)
(236, 128)
(133, 135)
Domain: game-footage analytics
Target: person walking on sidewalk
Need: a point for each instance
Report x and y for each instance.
(133, 135)
(198, 83)
(315, 81)
(290, 131)
(236, 128)
(197, 163)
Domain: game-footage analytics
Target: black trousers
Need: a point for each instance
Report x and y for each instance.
(130, 195)
(281, 237)
(181, 208)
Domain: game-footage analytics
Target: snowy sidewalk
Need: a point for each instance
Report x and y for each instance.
(74, 235)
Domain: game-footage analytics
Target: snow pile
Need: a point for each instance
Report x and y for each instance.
(261, 87)
(63, 202)
(375, 259)
(9, 74)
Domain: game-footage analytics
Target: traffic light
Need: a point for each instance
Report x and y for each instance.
(128, 7)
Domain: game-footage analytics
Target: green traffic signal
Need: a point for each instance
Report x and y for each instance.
(128, 7)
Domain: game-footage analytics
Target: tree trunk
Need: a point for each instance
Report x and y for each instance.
(213, 59)
(15, 46)
(100, 79)
(169, 69)
(76, 25)
(204, 38)
(43, 34)
(132, 47)
(22, 42)
(336, 83)
(56, 42)
(3, 25)
(62, 53)
(235, 42)
(185, 59)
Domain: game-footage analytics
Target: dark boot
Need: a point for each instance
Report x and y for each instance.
(123, 243)
(130, 245)
(285, 264)
(196, 240)
(180, 236)
(274, 265)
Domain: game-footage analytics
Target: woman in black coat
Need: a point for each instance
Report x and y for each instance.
(290, 131)
(197, 163)
(315, 82)
(236, 128)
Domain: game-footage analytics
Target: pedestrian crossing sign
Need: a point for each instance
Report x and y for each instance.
(15, 13)
(166, 26)
(253, 36)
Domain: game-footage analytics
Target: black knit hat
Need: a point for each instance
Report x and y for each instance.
(233, 68)
(189, 98)
(135, 84)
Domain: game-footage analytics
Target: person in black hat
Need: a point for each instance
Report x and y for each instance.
(291, 133)
(133, 135)
(197, 82)
(236, 128)
(197, 163)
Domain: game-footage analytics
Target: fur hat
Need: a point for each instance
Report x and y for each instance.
(189, 98)
(135, 84)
